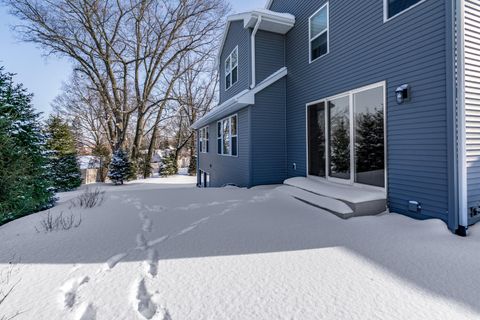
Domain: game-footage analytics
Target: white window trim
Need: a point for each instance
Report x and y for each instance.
(204, 142)
(231, 69)
(382, 84)
(385, 10)
(318, 35)
(229, 118)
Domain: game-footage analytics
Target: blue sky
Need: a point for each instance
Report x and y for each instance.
(43, 76)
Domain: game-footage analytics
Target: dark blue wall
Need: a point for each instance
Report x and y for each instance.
(236, 35)
(411, 49)
(225, 169)
(269, 54)
(269, 153)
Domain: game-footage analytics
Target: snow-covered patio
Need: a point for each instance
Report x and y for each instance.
(167, 250)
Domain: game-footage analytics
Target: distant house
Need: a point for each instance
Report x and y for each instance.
(90, 168)
(382, 96)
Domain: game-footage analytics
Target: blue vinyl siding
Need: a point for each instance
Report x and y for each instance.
(225, 169)
(269, 135)
(270, 54)
(236, 36)
(363, 50)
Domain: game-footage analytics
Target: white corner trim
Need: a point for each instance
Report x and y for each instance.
(461, 121)
(269, 4)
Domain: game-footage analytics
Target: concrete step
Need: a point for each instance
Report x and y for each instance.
(345, 201)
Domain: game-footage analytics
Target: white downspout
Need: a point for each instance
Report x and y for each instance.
(254, 33)
(462, 157)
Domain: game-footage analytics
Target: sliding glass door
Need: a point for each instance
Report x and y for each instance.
(346, 137)
(339, 138)
(316, 139)
(369, 137)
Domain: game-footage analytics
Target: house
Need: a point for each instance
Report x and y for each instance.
(90, 168)
(352, 100)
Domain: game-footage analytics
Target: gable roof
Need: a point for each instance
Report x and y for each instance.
(240, 101)
(271, 21)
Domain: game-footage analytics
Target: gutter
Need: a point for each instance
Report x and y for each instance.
(254, 64)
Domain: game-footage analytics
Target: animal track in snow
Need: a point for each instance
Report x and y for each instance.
(154, 208)
(143, 303)
(113, 261)
(157, 241)
(146, 222)
(152, 262)
(187, 230)
(141, 242)
(69, 290)
(196, 223)
(147, 225)
(86, 312)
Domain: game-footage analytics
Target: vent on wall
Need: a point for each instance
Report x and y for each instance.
(414, 206)
(474, 212)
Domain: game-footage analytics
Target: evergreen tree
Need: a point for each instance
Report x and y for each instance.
(25, 186)
(168, 166)
(120, 168)
(370, 148)
(65, 169)
(340, 157)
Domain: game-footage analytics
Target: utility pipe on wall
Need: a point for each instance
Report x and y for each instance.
(254, 33)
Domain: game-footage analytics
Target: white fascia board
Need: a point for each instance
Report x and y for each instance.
(217, 112)
(240, 101)
(284, 22)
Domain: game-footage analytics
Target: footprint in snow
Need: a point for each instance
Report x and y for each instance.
(86, 312)
(113, 261)
(143, 303)
(141, 242)
(155, 208)
(147, 225)
(69, 291)
(152, 262)
(187, 230)
(156, 241)
(196, 223)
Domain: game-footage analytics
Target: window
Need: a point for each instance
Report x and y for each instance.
(227, 136)
(204, 146)
(319, 33)
(395, 7)
(231, 69)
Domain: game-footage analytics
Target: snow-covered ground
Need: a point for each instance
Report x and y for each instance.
(163, 249)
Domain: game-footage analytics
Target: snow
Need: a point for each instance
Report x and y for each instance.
(234, 253)
(353, 194)
(322, 202)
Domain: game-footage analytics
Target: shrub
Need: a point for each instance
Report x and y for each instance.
(51, 223)
(88, 199)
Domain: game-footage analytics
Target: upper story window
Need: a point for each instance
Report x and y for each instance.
(231, 69)
(394, 8)
(227, 136)
(204, 145)
(319, 33)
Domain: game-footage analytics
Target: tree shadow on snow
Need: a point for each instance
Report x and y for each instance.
(223, 222)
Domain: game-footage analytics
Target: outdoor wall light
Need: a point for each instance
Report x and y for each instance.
(403, 93)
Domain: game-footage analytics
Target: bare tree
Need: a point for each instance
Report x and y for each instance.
(124, 48)
(195, 94)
